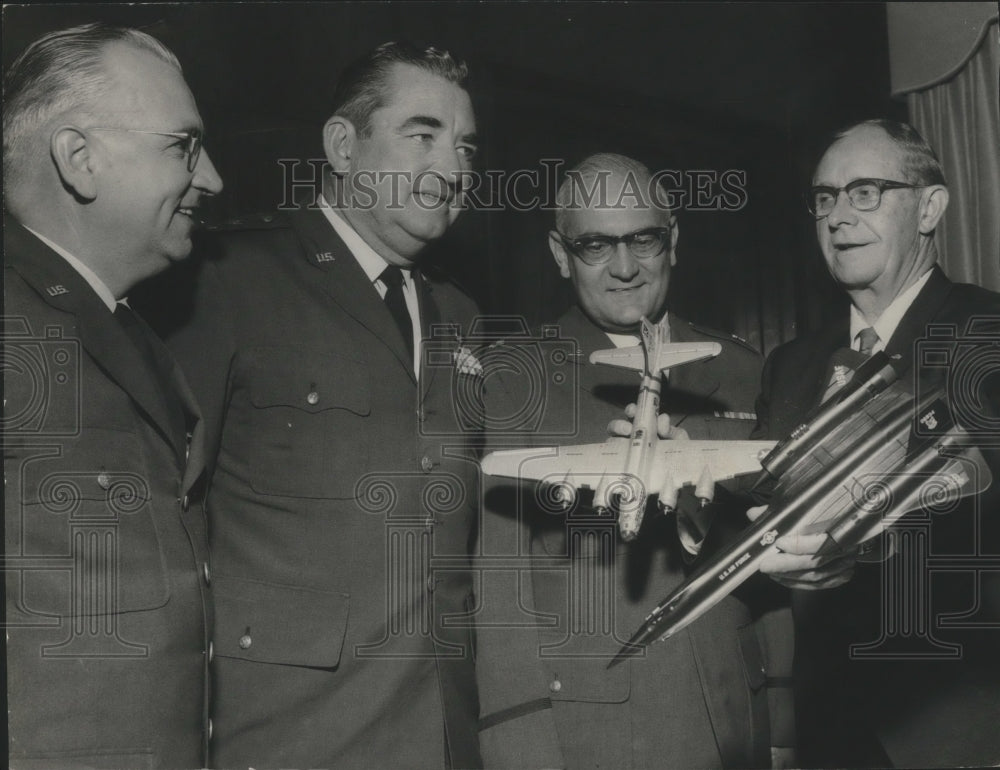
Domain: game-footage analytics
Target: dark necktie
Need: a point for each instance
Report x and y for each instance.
(868, 338)
(392, 277)
(156, 363)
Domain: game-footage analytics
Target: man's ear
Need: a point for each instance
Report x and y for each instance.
(339, 139)
(559, 254)
(71, 153)
(933, 203)
(674, 232)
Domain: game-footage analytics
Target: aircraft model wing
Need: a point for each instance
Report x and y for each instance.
(586, 466)
(669, 355)
(688, 461)
(577, 464)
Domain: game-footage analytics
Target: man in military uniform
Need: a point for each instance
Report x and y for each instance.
(331, 490)
(106, 557)
(700, 699)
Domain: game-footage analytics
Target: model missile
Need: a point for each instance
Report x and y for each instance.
(862, 476)
(872, 377)
(724, 573)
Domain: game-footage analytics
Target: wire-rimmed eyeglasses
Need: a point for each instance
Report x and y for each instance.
(192, 139)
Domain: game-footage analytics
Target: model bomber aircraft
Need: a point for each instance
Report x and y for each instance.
(624, 472)
(867, 455)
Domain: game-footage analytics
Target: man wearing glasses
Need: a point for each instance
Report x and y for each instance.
(698, 700)
(106, 557)
(878, 195)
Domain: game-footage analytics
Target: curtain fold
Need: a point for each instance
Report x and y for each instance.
(961, 120)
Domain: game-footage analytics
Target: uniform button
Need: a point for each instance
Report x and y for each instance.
(103, 480)
(206, 573)
(209, 729)
(313, 397)
(245, 642)
(185, 503)
(211, 651)
(426, 464)
(555, 685)
(431, 582)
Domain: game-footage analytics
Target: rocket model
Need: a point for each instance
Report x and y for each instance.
(855, 466)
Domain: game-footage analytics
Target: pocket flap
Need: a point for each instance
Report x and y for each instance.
(271, 623)
(307, 381)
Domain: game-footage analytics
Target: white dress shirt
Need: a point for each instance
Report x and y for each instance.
(885, 325)
(373, 264)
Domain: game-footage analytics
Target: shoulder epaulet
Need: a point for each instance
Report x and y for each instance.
(268, 221)
(724, 336)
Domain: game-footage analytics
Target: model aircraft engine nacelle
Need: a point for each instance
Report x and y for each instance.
(667, 498)
(602, 503)
(705, 489)
(562, 493)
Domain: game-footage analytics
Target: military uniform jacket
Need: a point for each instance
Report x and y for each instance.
(340, 507)
(105, 543)
(697, 700)
(909, 696)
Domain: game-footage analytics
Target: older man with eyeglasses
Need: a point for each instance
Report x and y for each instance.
(106, 554)
(881, 679)
(701, 699)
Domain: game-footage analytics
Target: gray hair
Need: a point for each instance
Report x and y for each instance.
(920, 163)
(581, 185)
(61, 71)
(361, 88)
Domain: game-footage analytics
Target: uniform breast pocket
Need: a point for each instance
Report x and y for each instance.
(307, 418)
(79, 513)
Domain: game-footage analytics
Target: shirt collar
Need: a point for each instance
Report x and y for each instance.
(85, 272)
(370, 260)
(885, 325)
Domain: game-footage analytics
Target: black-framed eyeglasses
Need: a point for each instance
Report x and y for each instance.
(863, 194)
(598, 248)
(193, 140)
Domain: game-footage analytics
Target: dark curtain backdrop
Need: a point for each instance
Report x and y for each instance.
(749, 87)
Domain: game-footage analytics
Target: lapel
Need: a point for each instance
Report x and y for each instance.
(604, 383)
(430, 317)
(913, 324)
(346, 282)
(195, 460)
(60, 286)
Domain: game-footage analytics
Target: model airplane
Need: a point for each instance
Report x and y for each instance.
(624, 472)
(865, 457)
